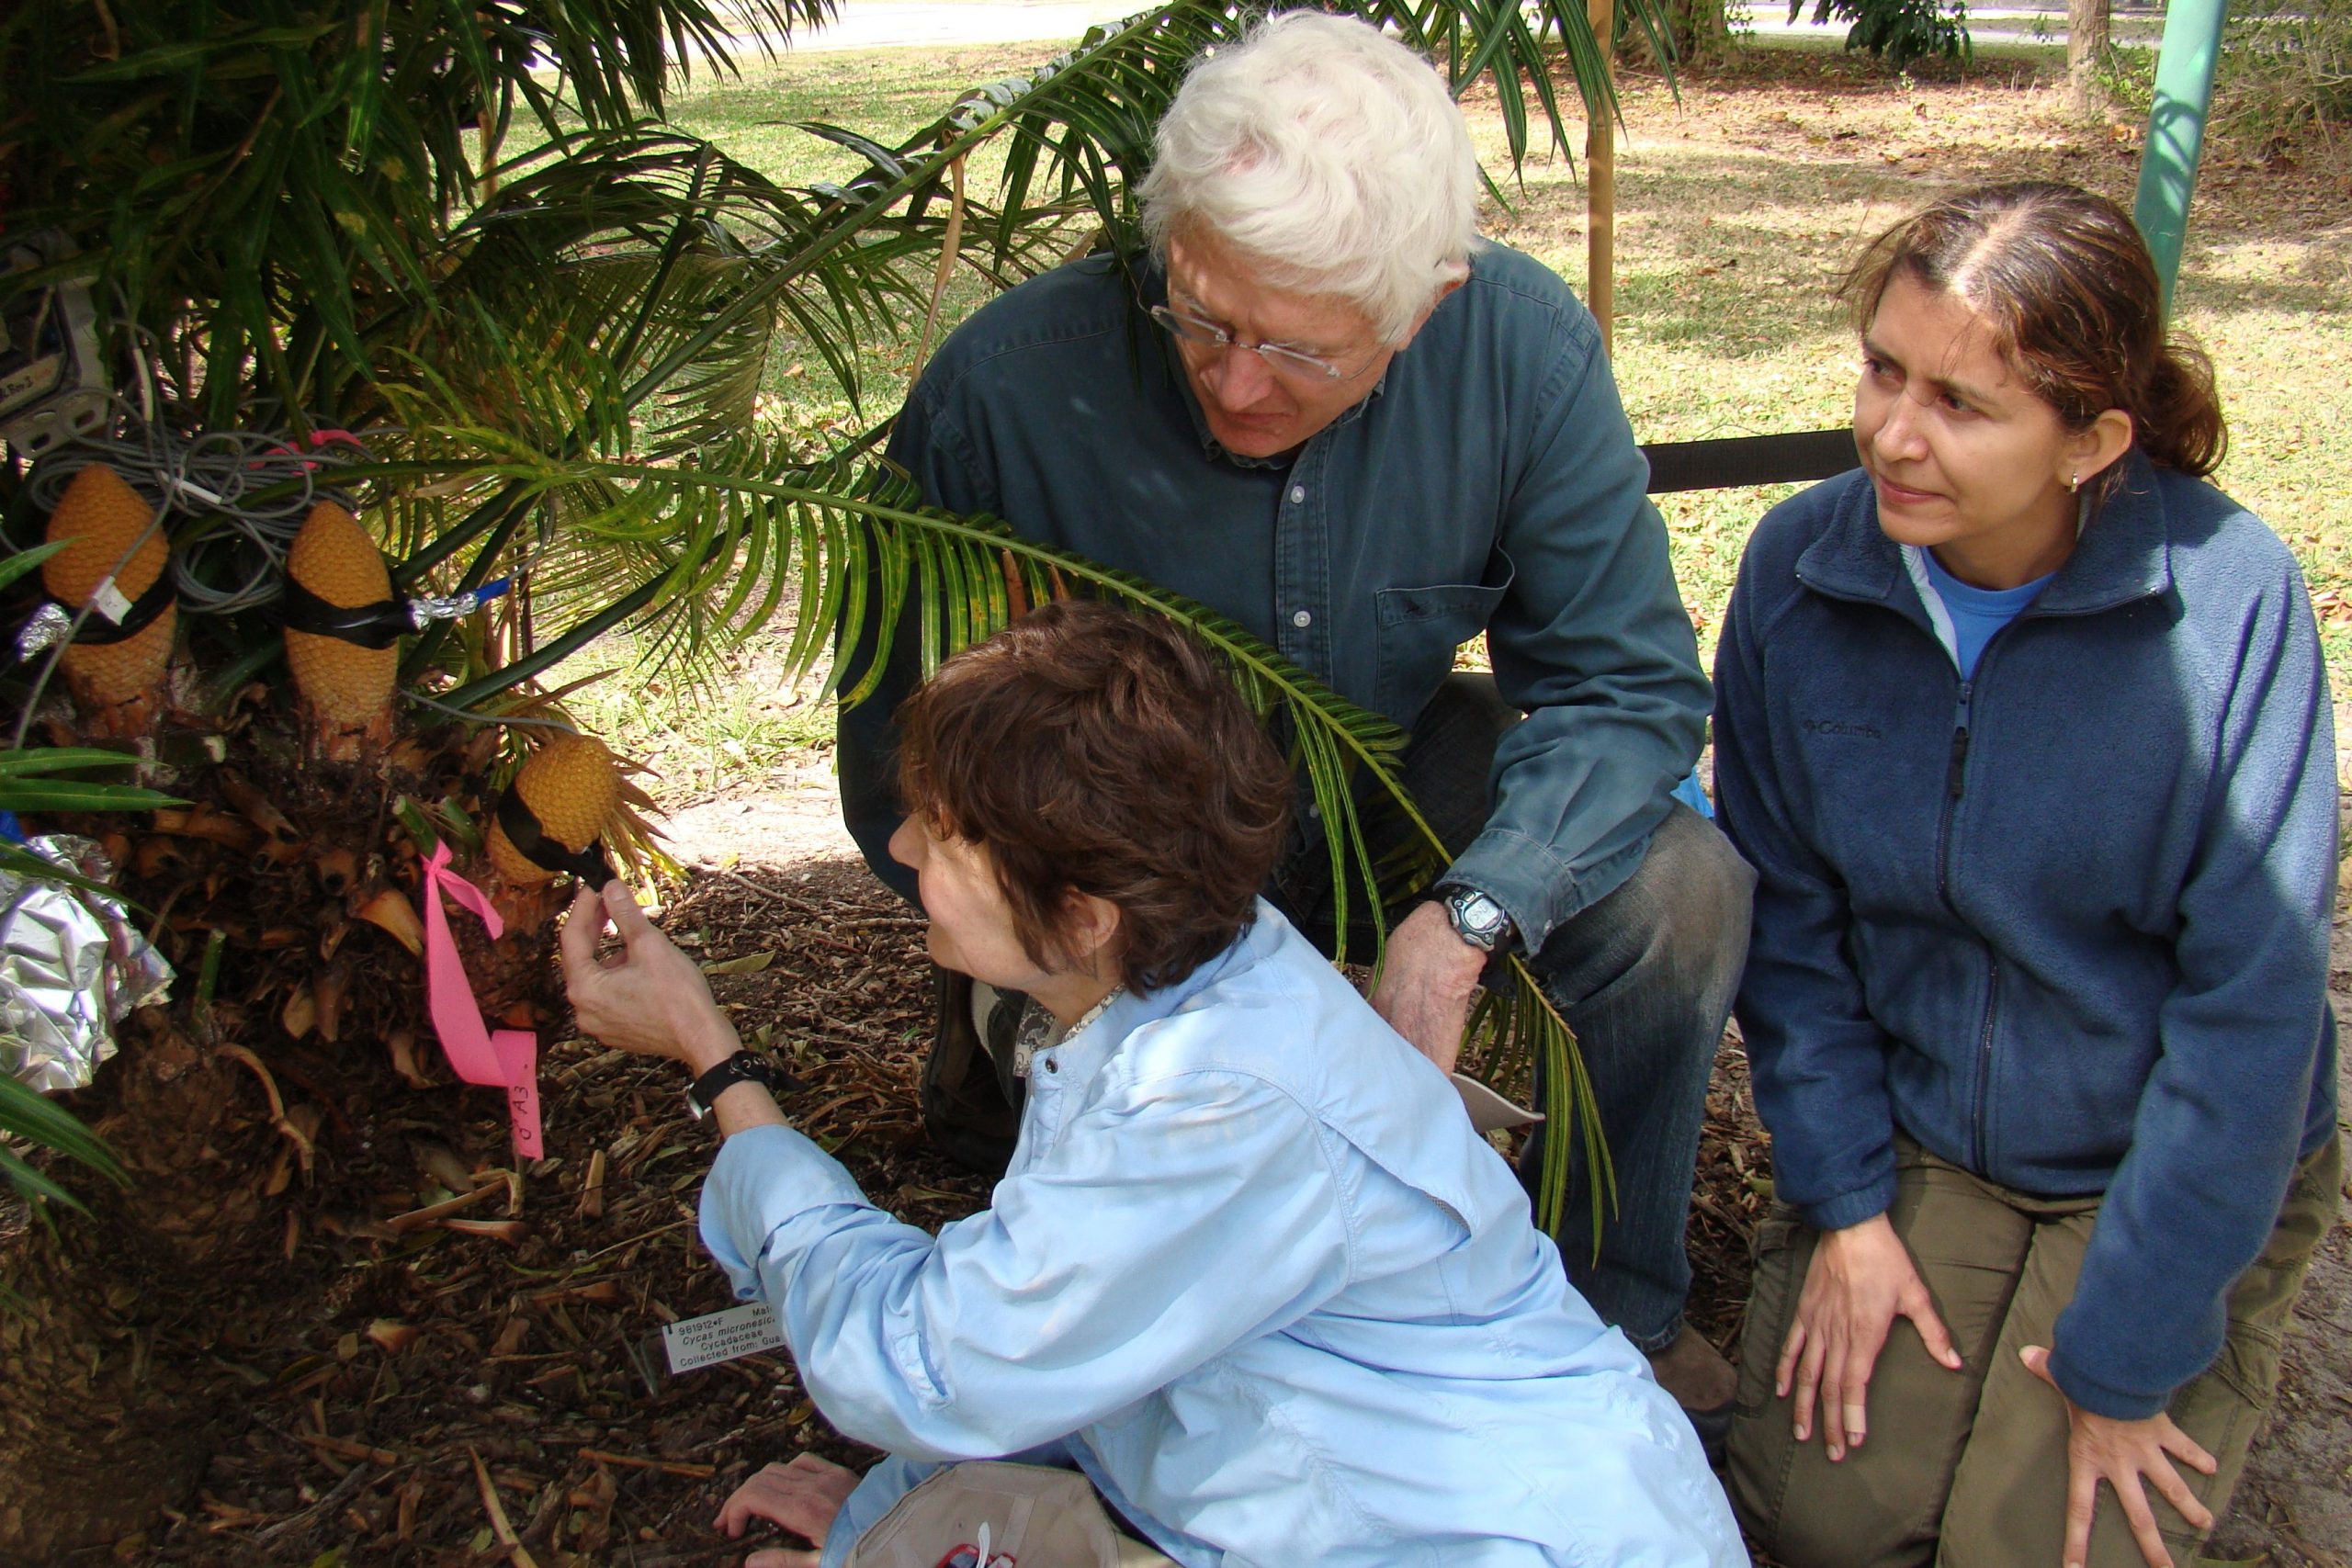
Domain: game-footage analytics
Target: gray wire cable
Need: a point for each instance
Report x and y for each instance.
(213, 477)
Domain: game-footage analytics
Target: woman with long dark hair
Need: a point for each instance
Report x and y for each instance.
(2025, 728)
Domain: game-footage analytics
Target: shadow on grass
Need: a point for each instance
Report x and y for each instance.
(1782, 64)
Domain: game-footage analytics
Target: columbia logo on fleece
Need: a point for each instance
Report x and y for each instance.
(1839, 726)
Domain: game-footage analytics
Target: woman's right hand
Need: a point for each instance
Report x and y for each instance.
(1861, 1279)
(650, 999)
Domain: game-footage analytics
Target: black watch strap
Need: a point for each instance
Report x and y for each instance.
(740, 1067)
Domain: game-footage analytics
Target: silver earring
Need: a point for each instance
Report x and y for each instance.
(2076, 483)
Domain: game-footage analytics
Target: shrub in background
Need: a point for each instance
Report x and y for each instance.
(1898, 32)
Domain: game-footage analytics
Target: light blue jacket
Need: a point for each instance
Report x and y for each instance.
(1254, 1267)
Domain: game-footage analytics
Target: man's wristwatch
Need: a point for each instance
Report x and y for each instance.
(1477, 919)
(740, 1067)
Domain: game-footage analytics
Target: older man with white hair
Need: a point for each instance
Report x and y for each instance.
(1323, 406)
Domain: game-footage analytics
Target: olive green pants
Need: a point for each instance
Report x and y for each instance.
(1968, 1469)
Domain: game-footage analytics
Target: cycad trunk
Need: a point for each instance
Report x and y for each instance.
(247, 1118)
(100, 1419)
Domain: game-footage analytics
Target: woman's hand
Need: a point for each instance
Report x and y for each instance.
(649, 998)
(1862, 1278)
(2121, 1453)
(803, 1496)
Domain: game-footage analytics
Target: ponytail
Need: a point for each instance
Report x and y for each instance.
(2178, 424)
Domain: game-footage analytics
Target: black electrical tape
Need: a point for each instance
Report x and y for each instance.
(368, 626)
(97, 631)
(523, 830)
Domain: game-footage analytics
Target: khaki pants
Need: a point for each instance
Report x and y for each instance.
(1968, 1469)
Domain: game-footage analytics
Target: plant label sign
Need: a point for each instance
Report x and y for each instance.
(720, 1337)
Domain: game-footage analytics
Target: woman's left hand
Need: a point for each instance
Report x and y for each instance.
(2122, 1453)
(804, 1496)
(650, 999)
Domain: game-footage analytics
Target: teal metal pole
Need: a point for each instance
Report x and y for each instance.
(2177, 130)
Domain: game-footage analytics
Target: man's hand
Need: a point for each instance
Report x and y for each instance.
(1426, 981)
(1862, 1278)
(803, 1496)
(2122, 1453)
(650, 999)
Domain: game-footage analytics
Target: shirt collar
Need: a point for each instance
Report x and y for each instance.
(2124, 554)
(1089, 1045)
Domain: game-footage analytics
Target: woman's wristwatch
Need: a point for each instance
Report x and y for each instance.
(740, 1067)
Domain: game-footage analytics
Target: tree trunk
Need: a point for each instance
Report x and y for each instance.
(1698, 30)
(2086, 49)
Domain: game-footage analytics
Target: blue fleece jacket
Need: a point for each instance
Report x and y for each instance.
(2066, 922)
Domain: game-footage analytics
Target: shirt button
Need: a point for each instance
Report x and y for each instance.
(1301, 619)
(1297, 494)
(1053, 1064)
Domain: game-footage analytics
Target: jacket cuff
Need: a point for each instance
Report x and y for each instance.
(1538, 890)
(764, 1179)
(1849, 1209)
(2098, 1398)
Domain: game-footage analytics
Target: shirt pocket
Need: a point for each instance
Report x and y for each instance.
(1419, 630)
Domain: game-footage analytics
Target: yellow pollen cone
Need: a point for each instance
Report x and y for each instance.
(573, 787)
(118, 686)
(347, 688)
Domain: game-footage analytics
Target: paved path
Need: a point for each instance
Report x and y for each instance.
(912, 24)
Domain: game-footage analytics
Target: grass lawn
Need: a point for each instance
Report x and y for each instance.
(1738, 205)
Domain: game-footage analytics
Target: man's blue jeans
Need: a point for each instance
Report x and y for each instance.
(1643, 975)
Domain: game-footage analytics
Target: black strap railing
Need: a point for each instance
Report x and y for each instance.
(1797, 459)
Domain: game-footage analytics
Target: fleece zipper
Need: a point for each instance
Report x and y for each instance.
(1956, 785)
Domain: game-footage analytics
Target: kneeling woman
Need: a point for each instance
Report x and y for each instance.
(2026, 731)
(1250, 1271)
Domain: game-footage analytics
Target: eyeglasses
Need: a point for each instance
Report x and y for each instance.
(1280, 360)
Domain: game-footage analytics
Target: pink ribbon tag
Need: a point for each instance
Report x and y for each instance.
(504, 1058)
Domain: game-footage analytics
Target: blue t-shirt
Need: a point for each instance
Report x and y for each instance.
(1974, 613)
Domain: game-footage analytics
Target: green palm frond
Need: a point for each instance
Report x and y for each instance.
(29, 1116)
(260, 189)
(1092, 136)
(866, 555)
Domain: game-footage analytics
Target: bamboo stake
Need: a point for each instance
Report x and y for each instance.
(1600, 185)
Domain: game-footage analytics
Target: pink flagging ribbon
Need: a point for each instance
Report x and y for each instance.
(506, 1058)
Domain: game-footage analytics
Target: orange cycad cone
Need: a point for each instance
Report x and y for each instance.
(118, 686)
(573, 786)
(347, 689)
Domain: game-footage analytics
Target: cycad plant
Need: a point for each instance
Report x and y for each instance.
(465, 236)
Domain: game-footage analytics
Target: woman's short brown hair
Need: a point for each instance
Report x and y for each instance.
(1093, 751)
(2066, 284)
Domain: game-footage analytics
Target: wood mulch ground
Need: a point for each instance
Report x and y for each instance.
(463, 1397)
(475, 1391)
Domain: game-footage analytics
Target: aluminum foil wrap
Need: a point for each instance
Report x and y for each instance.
(50, 626)
(72, 966)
